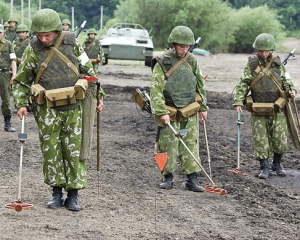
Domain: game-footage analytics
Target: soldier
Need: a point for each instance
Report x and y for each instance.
(21, 42)
(6, 26)
(59, 125)
(66, 25)
(10, 33)
(7, 64)
(94, 49)
(265, 75)
(178, 89)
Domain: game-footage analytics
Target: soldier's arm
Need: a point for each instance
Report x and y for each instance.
(242, 87)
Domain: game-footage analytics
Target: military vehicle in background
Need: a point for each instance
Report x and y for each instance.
(127, 41)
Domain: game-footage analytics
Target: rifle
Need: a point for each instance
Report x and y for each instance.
(80, 29)
(288, 56)
(192, 47)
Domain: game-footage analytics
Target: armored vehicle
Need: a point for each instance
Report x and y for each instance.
(127, 41)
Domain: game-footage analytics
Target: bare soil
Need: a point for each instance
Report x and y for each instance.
(126, 203)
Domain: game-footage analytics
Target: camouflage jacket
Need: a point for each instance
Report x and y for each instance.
(28, 70)
(248, 76)
(158, 81)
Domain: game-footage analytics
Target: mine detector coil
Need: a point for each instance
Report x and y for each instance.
(142, 99)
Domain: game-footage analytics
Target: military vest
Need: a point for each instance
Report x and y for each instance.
(92, 50)
(57, 74)
(180, 86)
(265, 90)
(4, 54)
(20, 46)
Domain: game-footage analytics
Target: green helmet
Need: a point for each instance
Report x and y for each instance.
(91, 31)
(265, 42)
(46, 20)
(1, 28)
(22, 28)
(6, 24)
(12, 19)
(66, 21)
(182, 35)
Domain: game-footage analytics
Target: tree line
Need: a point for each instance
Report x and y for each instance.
(223, 25)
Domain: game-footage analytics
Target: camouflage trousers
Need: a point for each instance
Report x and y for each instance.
(5, 93)
(170, 144)
(60, 139)
(269, 134)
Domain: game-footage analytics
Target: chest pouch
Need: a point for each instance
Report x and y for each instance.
(60, 96)
(279, 105)
(263, 109)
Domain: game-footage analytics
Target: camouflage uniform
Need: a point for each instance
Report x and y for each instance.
(269, 133)
(167, 141)
(7, 55)
(11, 34)
(94, 50)
(175, 85)
(19, 44)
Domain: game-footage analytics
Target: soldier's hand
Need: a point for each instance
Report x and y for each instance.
(203, 115)
(292, 93)
(100, 106)
(22, 111)
(165, 118)
(238, 108)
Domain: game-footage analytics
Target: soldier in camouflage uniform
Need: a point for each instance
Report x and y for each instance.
(6, 26)
(7, 64)
(59, 126)
(93, 49)
(10, 33)
(66, 25)
(178, 90)
(270, 132)
(21, 42)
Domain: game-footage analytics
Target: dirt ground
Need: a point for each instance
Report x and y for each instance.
(126, 203)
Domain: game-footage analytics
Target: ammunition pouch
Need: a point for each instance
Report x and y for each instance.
(248, 103)
(59, 96)
(279, 105)
(179, 114)
(263, 109)
(187, 111)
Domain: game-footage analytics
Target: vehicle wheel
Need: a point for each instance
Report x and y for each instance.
(148, 61)
(106, 58)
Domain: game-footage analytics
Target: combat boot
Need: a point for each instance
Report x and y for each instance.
(57, 199)
(71, 202)
(7, 124)
(192, 183)
(265, 169)
(276, 165)
(168, 182)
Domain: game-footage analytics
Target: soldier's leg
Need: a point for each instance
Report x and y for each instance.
(168, 143)
(280, 142)
(262, 143)
(189, 165)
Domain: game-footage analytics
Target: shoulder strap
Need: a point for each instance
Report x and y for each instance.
(182, 60)
(50, 55)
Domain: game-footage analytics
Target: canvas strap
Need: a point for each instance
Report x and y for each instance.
(91, 46)
(182, 60)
